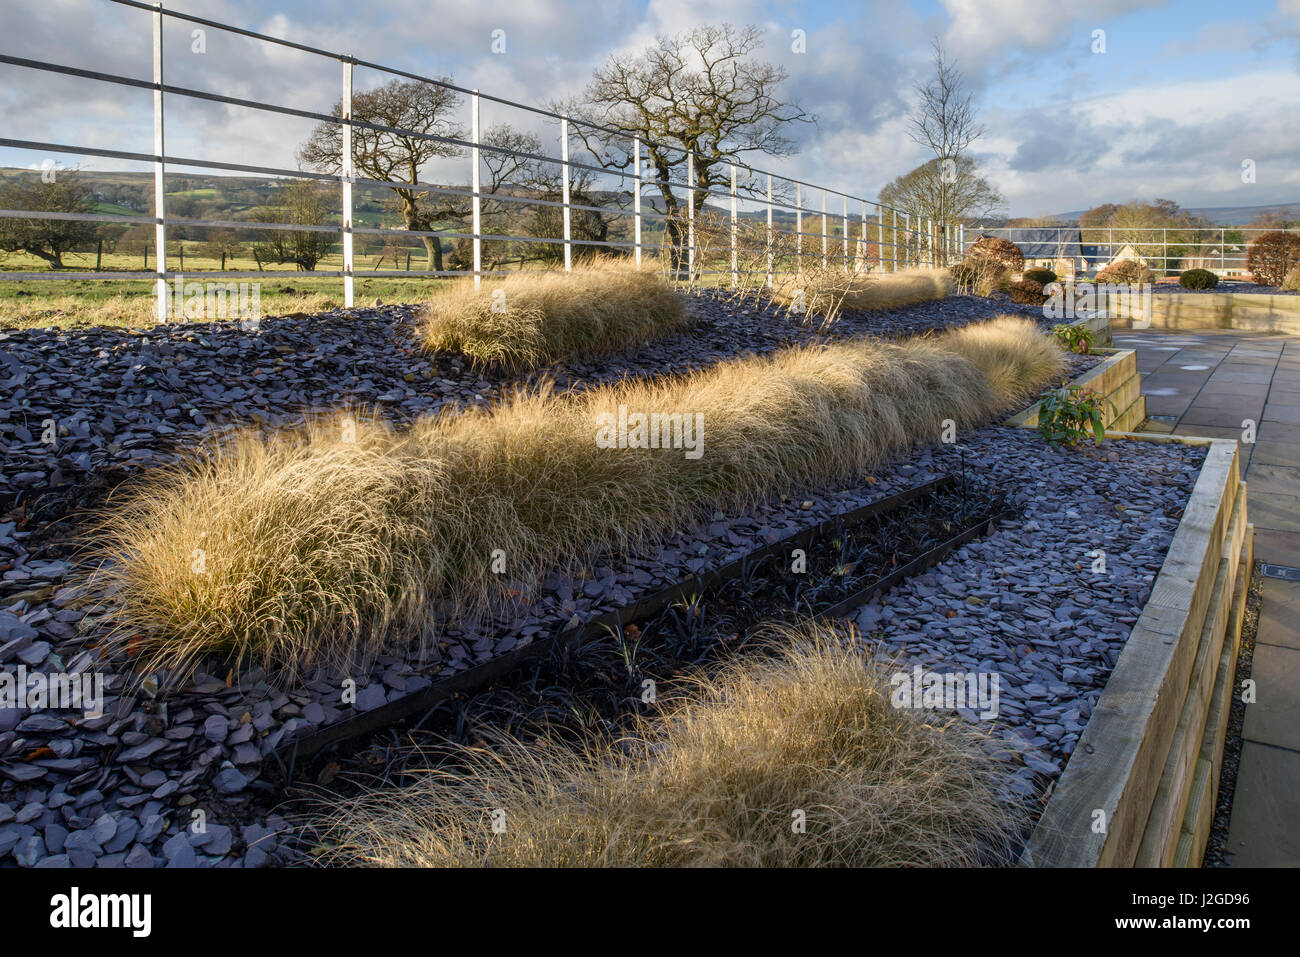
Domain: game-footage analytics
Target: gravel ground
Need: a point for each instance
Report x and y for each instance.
(122, 789)
(1022, 604)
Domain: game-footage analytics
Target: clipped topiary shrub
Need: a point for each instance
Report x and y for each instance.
(1028, 292)
(1126, 271)
(1272, 256)
(1198, 279)
(1040, 276)
(1003, 252)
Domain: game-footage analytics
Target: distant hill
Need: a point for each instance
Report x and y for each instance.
(1219, 215)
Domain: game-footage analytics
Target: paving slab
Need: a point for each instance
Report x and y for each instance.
(1272, 510)
(1277, 453)
(1279, 615)
(1274, 717)
(1277, 547)
(1274, 480)
(1265, 826)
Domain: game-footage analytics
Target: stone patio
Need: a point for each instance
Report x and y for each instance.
(1225, 384)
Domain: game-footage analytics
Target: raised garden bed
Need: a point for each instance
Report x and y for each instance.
(1115, 377)
(1274, 311)
(1139, 790)
(1034, 547)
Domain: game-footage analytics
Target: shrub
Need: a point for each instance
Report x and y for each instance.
(964, 275)
(1126, 271)
(982, 277)
(710, 781)
(1292, 281)
(825, 292)
(1028, 292)
(1075, 338)
(1198, 279)
(1068, 415)
(1040, 276)
(1272, 256)
(528, 319)
(1002, 252)
(331, 543)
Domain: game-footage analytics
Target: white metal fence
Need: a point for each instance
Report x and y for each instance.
(1165, 250)
(870, 237)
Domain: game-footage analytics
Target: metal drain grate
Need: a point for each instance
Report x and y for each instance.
(1285, 572)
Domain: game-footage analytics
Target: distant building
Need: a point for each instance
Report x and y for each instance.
(1058, 248)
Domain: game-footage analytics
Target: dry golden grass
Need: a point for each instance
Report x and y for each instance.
(525, 320)
(1010, 351)
(826, 292)
(715, 780)
(335, 542)
(133, 311)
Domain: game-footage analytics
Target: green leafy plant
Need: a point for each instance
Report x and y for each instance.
(1075, 338)
(1040, 275)
(1070, 414)
(1198, 279)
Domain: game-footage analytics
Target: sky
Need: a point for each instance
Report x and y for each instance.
(1169, 100)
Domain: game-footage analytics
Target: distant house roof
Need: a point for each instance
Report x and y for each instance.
(1045, 242)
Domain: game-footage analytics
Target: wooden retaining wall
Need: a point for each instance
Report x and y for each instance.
(1116, 378)
(1139, 789)
(1246, 311)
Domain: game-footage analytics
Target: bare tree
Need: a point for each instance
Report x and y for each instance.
(944, 122)
(701, 90)
(417, 110)
(934, 190)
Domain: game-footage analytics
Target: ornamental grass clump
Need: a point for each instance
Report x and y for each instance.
(826, 292)
(793, 758)
(527, 319)
(335, 542)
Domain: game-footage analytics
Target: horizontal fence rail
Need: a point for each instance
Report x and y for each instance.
(851, 231)
(1166, 251)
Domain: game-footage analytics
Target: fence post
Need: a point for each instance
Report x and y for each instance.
(564, 166)
(907, 240)
(477, 200)
(865, 267)
(1222, 236)
(824, 236)
(769, 230)
(159, 190)
(636, 199)
(735, 274)
(893, 242)
(798, 228)
(961, 241)
(690, 217)
(845, 203)
(1164, 250)
(880, 238)
(347, 167)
